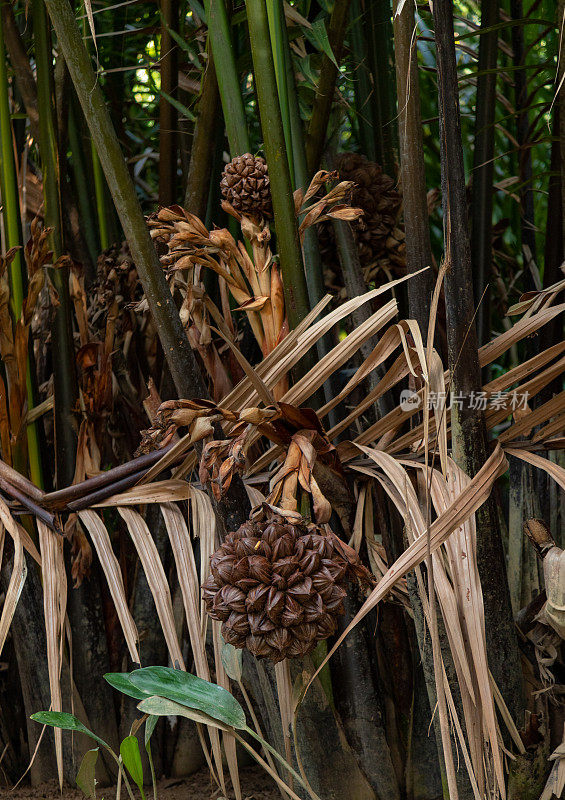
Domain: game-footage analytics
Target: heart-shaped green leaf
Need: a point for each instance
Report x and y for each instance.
(190, 691)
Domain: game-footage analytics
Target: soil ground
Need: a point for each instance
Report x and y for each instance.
(255, 785)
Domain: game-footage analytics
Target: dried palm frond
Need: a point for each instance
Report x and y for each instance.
(286, 447)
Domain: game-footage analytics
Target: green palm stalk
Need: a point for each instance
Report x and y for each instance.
(181, 359)
(64, 372)
(13, 237)
(379, 41)
(203, 142)
(362, 85)
(296, 293)
(100, 195)
(228, 80)
(277, 29)
(318, 127)
(80, 180)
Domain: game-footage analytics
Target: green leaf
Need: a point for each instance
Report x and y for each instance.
(162, 707)
(232, 661)
(121, 682)
(318, 36)
(129, 751)
(190, 691)
(86, 780)
(182, 109)
(68, 722)
(150, 724)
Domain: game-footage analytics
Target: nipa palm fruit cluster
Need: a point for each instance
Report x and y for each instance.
(379, 238)
(278, 584)
(245, 185)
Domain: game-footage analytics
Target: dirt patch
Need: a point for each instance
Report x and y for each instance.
(255, 785)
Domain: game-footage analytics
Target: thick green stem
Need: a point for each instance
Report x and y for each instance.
(81, 182)
(64, 372)
(296, 293)
(323, 103)
(100, 195)
(228, 80)
(379, 40)
(277, 28)
(203, 144)
(181, 359)
(362, 85)
(13, 238)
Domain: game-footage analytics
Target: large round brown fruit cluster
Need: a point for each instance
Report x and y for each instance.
(245, 185)
(278, 587)
(379, 237)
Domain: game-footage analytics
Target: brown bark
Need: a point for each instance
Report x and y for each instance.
(469, 437)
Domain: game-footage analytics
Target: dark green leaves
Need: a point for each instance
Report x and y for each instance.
(68, 722)
(180, 687)
(129, 751)
(121, 681)
(86, 780)
(191, 691)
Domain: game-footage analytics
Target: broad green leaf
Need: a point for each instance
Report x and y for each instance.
(318, 36)
(190, 691)
(162, 707)
(68, 722)
(86, 780)
(121, 682)
(129, 751)
(232, 660)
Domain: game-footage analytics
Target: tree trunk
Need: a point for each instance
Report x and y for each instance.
(469, 437)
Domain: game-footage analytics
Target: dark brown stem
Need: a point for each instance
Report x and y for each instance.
(102, 494)
(483, 166)
(60, 498)
(18, 481)
(30, 506)
(469, 436)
